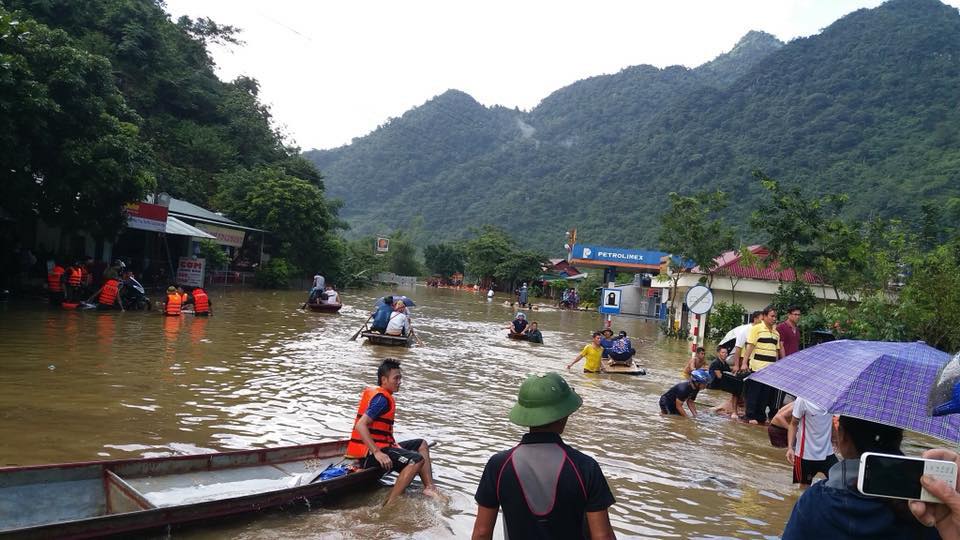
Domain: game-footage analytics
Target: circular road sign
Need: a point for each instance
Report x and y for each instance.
(699, 299)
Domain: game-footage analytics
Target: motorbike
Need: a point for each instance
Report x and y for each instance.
(133, 296)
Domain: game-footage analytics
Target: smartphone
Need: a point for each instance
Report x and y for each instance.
(898, 477)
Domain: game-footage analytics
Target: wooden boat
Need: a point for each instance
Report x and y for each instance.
(383, 339)
(324, 308)
(630, 369)
(98, 498)
(513, 335)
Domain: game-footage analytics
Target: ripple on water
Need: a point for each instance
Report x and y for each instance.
(261, 373)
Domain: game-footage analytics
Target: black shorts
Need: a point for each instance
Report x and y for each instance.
(668, 406)
(808, 469)
(401, 456)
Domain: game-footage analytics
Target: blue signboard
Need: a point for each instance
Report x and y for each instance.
(610, 301)
(613, 255)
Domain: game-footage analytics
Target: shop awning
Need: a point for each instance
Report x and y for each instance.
(177, 227)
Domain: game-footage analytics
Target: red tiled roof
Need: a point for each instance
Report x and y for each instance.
(728, 264)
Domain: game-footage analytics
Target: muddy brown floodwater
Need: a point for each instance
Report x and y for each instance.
(78, 386)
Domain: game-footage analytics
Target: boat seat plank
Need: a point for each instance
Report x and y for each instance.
(122, 497)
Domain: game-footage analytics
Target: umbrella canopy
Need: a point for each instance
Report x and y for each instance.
(945, 393)
(882, 382)
(406, 301)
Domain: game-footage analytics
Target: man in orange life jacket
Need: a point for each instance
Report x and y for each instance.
(372, 437)
(174, 302)
(74, 282)
(201, 302)
(55, 283)
(109, 295)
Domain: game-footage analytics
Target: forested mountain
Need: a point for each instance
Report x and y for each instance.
(868, 107)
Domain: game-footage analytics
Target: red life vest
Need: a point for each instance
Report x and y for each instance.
(55, 279)
(381, 429)
(108, 294)
(173, 305)
(201, 303)
(75, 276)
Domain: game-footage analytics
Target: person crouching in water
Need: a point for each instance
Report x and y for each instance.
(399, 324)
(546, 488)
(533, 333)
(372, 437)
(592, 352)
(686, 392)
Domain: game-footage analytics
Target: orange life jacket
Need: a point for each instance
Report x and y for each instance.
(108, 294)
(201, 303)
(173, 304)
(75, 277)
(381, 429)
(55, 279)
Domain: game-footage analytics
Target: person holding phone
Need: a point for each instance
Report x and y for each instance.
(945, 517)
(836, 509)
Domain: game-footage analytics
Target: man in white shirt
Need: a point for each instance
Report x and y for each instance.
(810, 442)
(399, 324)
(332, 297)
(740, 361)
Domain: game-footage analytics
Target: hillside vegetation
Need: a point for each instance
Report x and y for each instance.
(867, 107)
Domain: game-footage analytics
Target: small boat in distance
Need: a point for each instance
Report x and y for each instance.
(324, 308)
(99, 498)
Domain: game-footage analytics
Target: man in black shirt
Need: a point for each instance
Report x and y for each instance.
(724, 379)
(524, 482)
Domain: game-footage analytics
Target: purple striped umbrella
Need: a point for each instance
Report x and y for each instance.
(883, 382)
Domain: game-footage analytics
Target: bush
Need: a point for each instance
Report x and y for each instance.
(214, 254)
(725, 317)
(275, 274)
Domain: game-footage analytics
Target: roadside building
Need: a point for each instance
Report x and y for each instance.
(750, 284)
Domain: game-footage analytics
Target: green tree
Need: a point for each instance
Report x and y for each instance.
(444, 259)
(793, 224)
(930, 300)
(294, 211)
(402, 257)
(694, 232)
(70, 149)
(520, 266)
(490, 247)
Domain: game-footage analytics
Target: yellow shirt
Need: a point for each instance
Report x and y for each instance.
(591, 357)
(767, 343)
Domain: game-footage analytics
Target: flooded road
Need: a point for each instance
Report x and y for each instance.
(86, 385)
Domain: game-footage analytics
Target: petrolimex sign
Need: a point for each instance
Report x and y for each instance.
(615, 255)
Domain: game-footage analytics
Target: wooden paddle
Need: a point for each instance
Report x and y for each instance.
(416, 337)
(354, 337)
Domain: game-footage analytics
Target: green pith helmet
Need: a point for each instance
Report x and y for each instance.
(544, 399)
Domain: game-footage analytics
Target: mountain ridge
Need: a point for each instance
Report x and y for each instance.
(866, 105)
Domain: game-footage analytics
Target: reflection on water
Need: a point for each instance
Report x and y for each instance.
(85, 385)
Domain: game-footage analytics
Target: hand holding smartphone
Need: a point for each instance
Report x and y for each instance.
(898, 477)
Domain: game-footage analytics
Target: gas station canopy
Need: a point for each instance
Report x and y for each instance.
(635, 260)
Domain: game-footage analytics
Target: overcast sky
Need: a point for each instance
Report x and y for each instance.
(334, 70)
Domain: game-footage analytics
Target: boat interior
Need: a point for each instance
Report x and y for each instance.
(50, 494)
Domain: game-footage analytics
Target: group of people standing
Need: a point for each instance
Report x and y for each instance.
(177, 300)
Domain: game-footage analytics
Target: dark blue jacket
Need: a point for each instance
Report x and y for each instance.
(382, 316)
(834, 509)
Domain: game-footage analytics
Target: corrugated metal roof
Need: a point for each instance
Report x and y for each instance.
(188, 209)
(177, 227)
(728, 264)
